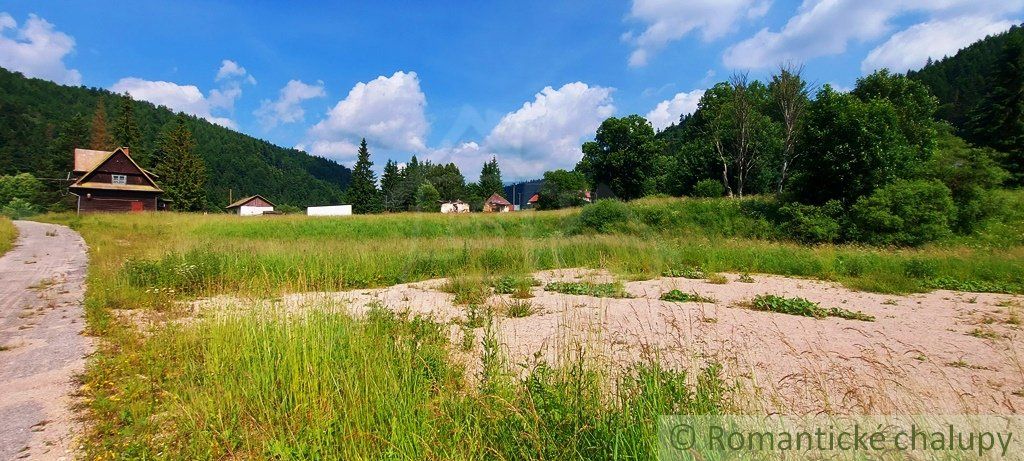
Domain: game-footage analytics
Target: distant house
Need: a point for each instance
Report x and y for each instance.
(497, 204)
(334, 210)
(532, 203)
(254, 205)
(111, 181)
(454, 206)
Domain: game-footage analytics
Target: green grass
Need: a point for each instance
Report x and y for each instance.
(329, 386)
(8, 233)
(681, 297)
(804, 307)
(518, 308)
(516, 285)
(598, 290)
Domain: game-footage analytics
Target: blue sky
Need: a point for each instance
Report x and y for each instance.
(526, 81)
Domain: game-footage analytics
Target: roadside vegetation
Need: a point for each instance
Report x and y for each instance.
(8, 233)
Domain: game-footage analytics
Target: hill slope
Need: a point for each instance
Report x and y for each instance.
(962, 80)
(36, 137)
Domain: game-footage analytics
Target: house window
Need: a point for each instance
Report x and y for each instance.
(118, 179)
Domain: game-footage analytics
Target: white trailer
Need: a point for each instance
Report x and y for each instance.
(335, 210)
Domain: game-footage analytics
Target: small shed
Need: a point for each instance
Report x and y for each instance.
(454, 206)
(254, 205)
(497, 204)
(333, 210)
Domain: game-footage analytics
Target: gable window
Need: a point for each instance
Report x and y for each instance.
(118, 179)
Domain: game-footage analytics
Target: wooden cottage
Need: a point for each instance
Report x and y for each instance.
(254, 205)
(113, 182)
(497, 204)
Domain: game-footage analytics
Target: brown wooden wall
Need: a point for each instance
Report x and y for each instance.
(115, 201)
(256, 201)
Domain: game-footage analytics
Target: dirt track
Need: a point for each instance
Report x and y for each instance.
(41, 341)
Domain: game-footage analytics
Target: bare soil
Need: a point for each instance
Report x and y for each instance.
(942, 352)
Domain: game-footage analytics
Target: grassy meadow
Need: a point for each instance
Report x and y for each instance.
(8, 233)
(387, 386)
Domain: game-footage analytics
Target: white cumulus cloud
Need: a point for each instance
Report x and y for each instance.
(670, 20)
(232, 70)
(911, 48)
(181, 98)
(828, 27)
(667, 112)
(37, 49)
(287, 108)
(388, 111)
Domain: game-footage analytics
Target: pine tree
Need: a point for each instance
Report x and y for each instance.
(490, 179)
(126, 131)
(182, 172)
(362, 192)
(390, 187)
(998, 120)
(412, 176)
(99, 138)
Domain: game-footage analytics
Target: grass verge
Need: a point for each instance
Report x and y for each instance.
(8, 234)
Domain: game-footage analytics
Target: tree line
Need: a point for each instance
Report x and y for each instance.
(417, 186)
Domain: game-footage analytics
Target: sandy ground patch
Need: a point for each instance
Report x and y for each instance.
(939, 352)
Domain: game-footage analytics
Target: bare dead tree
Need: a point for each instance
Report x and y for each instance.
(789, 92)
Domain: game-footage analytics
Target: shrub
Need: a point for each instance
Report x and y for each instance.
(605, 215)
(904, 213)
(804, 307)
(597, 290)
(812, 224)
(18, 209)
(708, 188)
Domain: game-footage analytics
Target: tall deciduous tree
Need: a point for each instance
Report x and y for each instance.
(789, 95)
(182, 172)
(126, 130)
(362, 192)
(623, 156)
(99, 137)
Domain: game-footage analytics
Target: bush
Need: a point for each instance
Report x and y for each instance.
(904, 213)
(708, 188)
(812, 224)
(19, 209)
(605, 215)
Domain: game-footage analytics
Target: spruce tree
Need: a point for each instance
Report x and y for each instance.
(998, 120)
(99, 138)
(490, 179)
(362, 192)
(390, 187)
(126, 131)
(182, 172)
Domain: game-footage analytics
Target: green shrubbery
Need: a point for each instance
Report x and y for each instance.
(904, 213)
(708, 188)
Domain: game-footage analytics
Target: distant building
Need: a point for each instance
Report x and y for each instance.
(519, 193)
(113, 182)
(335, 210)
(454, 206)
(497, 204)
(254, 205)
(532, 203)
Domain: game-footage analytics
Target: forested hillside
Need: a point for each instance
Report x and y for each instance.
(42, 122)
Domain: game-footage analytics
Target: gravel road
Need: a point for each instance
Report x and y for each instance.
(42, 346)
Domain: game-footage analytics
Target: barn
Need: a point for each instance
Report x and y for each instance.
(253, 205)
(112, 182)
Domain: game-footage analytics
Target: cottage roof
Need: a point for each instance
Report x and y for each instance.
(88, 158)
(497, 199)
(248, 199)
(534, 198)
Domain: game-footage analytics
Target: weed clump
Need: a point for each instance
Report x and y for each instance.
(598, 290)
(690, 272)
(518, 287)
(519, 308)
(682, 297)
(466, 290)
(805, 307)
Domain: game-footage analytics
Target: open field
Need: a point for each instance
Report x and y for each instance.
(276, 363)
(8, 233)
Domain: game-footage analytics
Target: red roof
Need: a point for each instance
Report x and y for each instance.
(534, 199)
(497, 199)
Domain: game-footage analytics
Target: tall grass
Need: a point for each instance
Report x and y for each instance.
(8, 233)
